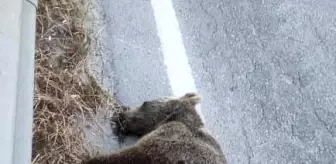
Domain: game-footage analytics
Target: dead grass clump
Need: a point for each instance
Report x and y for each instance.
(63, 89)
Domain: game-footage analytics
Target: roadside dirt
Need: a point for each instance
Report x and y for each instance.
(71, 111)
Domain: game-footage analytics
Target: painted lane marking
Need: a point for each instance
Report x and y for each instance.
(175, 57)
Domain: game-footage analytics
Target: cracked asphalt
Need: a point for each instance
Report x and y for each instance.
(265, 68)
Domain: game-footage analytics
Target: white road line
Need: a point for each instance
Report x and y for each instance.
(174, 53)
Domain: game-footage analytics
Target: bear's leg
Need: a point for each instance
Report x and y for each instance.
(130, 155)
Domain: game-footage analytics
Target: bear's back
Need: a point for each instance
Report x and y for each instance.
(175, 143)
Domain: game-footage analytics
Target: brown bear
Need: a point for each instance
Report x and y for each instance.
(172, 133)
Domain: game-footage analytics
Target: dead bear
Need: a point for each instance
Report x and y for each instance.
(172, 133)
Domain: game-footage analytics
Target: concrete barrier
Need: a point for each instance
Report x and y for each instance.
(17, 45)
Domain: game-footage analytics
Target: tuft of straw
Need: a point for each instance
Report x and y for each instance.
(64, 90)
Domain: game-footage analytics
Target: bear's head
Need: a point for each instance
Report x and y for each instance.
(151, 114)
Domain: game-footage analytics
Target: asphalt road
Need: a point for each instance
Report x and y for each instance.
(265, 68)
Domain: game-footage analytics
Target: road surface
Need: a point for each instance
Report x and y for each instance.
(266, 70)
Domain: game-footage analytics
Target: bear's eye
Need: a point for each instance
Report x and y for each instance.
(135, 118)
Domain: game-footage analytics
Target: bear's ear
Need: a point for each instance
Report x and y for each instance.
(193, 98)
(146, 103)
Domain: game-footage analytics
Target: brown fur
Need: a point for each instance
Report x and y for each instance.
(172, 134)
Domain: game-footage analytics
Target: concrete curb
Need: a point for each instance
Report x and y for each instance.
(25, 85)
(17, 47)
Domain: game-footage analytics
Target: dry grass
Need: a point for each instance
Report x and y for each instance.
(63, 89)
